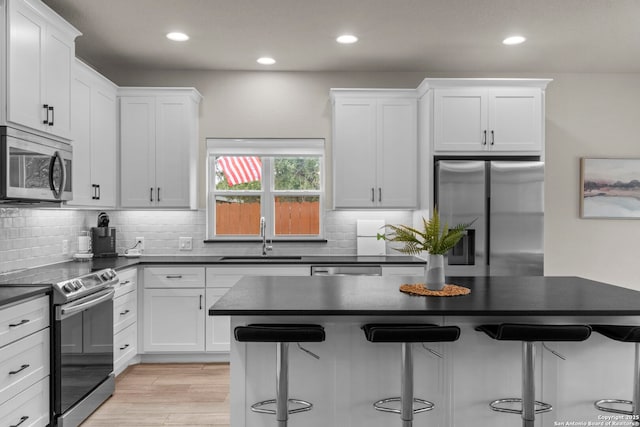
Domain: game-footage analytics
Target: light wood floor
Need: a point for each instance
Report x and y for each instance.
(167, 394)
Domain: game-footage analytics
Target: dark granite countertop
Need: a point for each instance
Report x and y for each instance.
(11, 294)
(379, 296)
(68, 270)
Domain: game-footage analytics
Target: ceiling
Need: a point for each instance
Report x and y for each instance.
(395, 35)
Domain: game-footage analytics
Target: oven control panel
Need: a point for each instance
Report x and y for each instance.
(73, 288)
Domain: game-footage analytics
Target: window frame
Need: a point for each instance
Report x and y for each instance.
(267, 149)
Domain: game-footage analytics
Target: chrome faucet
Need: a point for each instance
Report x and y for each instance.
(263, 234)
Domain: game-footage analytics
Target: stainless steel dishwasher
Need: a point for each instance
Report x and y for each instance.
(346, 270)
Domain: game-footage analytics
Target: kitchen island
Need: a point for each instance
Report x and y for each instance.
(353, 373)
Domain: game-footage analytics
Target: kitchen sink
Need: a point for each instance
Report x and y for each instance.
(257, 258)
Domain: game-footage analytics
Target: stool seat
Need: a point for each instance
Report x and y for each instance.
(535, 332)
(259, 332)
(398, 333)
(618, 332)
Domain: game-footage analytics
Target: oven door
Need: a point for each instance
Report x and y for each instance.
(36, 171)
(83, 349)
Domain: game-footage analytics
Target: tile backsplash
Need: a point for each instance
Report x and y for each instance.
(33, 237)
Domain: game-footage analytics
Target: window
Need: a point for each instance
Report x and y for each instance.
(278, 179)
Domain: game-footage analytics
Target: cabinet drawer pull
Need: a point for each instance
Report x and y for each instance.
(379, 194)
(52, 115)
(124, 347)
(200, 302)
(22, 322)
(124, 313)
(22, 419)
(46, 110)
(493, 138)
(158, 193)
(373, 194)
(151, 194)
(174, 276)
(98, 186)
(484, 138)
(126, 282)
(22, 368)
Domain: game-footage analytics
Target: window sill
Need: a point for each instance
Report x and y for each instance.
(301, 240)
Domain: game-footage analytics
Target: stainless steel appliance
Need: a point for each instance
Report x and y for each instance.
(346, 270)
(34, 168)
(82, 350)
(506, 200)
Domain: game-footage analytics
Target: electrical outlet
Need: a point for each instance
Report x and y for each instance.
(185, 243)
(140, 243)
(65, 247)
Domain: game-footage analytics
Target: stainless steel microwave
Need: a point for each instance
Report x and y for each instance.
(34, 168)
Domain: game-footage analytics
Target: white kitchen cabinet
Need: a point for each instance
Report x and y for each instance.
(25, 361)
(158, 147)
(220, 280)
(125, 320)
(174, 317)
(502, 117)
(375, 148)
(40, 54)
(93, 130)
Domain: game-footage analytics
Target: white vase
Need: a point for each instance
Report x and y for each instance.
(434, 274)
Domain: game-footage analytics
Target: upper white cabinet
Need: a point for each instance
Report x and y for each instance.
(93, 130)
(40, 54)
(158, 147)
(375, 148)
(498, 116)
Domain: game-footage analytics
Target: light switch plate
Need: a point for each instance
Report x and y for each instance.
(185, 243)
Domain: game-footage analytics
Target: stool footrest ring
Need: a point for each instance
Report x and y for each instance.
(426, 405)
(599, 405)
(541, 406)
(304, 406)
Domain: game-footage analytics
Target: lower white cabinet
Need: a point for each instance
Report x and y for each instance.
(25, 363)
(174, 309)
(218, 328)
(125, 320)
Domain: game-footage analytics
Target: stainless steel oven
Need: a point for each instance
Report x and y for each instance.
(82, 346)
(34, 168)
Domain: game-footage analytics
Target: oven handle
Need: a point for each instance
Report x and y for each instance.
(96, 299)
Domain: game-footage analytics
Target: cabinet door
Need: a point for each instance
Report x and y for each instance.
(173, 151)
(354, 153)
(174, 320)
(83, 191)
(515, 119)
(25, 83)
(103, 145)
(137, 152)
(218, 327)
(460, 119)
(59, 57)
(397, 161)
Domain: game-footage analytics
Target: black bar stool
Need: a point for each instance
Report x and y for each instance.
(282, 334)
(529, 334)
(407, 334)
(624, 334)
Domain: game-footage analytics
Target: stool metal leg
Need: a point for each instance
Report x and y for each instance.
(282, 382)
(406, 386)
(528, 381)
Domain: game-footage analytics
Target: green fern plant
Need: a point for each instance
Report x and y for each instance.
(432, 238)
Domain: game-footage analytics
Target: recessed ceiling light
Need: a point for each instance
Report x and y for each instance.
(347, 39)
(513, 40)
(265, 60)
(178, 37)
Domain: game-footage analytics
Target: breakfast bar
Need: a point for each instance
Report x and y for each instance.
(352, 373)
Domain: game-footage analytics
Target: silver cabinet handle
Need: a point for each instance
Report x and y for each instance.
(151, 194)
(126, 282)
(124, 347)
(22, 322)
(158, 193)
(493, 138)
(124, 313)
(174, 276)
(373, 194)
(52, 115)
(22, 368)
(46, 110)
(200, 302)
(379, 194)
(484, 137)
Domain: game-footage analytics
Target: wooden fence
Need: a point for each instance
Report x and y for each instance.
(291, 218)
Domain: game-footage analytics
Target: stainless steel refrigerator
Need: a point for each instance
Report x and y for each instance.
(506, 200)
